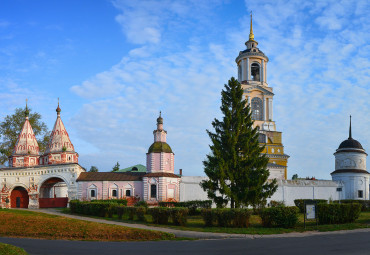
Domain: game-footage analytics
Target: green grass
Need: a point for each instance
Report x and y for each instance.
(23, 223)
(7, 249)
(195, 223)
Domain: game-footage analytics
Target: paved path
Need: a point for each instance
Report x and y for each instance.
(200, 235)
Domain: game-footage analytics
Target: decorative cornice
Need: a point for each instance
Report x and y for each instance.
(359, 171)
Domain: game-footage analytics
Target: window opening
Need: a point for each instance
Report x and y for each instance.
(153, 191)
(257, 108)
(255, 72)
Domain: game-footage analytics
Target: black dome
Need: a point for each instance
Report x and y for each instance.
(350, 143)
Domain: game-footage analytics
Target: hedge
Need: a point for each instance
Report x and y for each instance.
(160, 215)
(338, 213)
(365, 204)
(226, 217)
(179, 216)
(193, 205)
(285, 217)
(118, 201)
(300, 203)
(101, 209)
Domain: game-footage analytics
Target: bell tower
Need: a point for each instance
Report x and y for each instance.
(252, 75)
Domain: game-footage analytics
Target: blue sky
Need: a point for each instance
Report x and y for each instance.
(115, 64)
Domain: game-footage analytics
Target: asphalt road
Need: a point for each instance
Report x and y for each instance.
(349, 243)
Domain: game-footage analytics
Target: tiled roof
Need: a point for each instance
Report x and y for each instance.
(109, 176)
(162, 175)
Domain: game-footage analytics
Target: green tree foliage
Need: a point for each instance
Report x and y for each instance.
(295, 177)
(11, 127)
(93, 169)
(236, 167)
(116, 167)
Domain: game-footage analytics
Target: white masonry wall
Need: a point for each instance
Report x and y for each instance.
(288, 190)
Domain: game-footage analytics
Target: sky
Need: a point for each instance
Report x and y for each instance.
(116, 64)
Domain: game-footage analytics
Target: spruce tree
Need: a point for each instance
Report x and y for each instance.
(236, 168)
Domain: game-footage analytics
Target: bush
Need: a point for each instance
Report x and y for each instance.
(160, 215)
(140, 213)
(100, 209)
(274, 203)
(241, 217)
(120, 211)
(117, 201)
(193, 205)
(285, 217)
(300, 203)
(338, 213)
(365, 204)
(208, 217)
(179, 216)
(141, 203)
(224, 217)
(131, 211)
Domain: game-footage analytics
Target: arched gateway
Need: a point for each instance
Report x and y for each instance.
(35, 180)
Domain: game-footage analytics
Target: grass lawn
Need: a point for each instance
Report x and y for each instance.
(23, 223)
(195, 223)
(7, 249)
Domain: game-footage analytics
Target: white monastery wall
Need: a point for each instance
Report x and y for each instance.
(190, 188)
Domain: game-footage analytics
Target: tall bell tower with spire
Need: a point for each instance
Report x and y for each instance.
(252, 74)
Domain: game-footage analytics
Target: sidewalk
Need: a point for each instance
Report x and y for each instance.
(195, 234)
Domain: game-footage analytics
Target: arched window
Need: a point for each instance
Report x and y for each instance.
(153, 191)
(255, 72)
(257, 108)
(261, 138)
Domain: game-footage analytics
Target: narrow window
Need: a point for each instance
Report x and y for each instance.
(360, 194)
(257, 108)
(255, 72)
(92, 193)
(339, 189)
(153, 191)
(114, 193)
(128, 193)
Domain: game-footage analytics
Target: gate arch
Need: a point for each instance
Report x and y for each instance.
(19, 197)
(53, 192)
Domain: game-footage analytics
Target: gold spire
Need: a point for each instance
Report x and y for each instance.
(251, 35)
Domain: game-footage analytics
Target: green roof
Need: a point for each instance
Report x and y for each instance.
(136, 168)
(160, 147)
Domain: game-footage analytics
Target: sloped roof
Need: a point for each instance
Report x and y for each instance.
(26, 143)
(59, 137)
(110, 176)
(136, 168)
(162, 175)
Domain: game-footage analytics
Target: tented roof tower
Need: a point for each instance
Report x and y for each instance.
(60, 148)
(26, 149)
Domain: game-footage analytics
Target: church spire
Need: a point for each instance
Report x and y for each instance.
(251, 35)
(350, 127)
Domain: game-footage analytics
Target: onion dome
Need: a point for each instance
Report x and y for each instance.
(158, 147)
(160, 119)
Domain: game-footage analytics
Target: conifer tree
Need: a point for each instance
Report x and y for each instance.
(116, 167)
(236, 168)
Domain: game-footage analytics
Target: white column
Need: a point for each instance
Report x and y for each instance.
(264, 108)
(263, 71)
(270, 109)
(248, 70)
(244, 70)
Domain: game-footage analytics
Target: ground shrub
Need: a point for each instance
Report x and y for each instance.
(300, 203)
(365, 204)
(179, 215)
(141, 203)
(285, 217)
(120, 210)
(118, 201)
(241, 217)
(140, 213)
(224, 217)
(209, 217)
(193, 205)
(338, 213)
(274, 203)
(159, 215)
